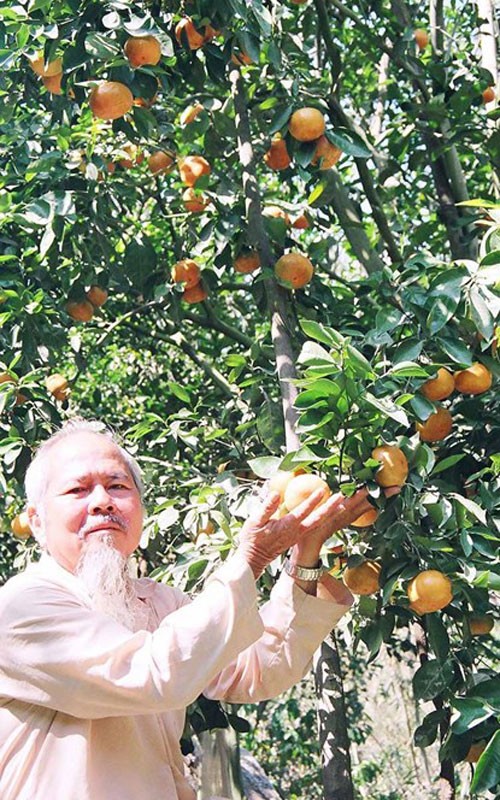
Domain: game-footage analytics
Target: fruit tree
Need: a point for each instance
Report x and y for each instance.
(153, 156)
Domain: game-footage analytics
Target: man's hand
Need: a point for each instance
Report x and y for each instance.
(308, 526)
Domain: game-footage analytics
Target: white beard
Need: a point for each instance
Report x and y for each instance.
(105, 574)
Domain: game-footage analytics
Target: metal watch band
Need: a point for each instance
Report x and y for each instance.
(303, 573)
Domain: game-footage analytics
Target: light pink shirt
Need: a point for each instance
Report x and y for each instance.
(91, 711)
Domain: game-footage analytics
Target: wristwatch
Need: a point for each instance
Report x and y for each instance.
(303, 573)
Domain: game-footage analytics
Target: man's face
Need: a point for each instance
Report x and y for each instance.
(88, 489)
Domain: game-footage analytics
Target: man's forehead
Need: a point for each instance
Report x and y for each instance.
(84, 453)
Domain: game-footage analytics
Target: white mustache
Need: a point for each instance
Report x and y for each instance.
(102, 520)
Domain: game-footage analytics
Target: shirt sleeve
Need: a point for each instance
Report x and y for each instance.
(58, 653)
(295, 624)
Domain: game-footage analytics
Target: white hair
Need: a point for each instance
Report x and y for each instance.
(34, 481)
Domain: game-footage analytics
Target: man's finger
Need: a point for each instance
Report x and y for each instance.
(340, 510)
(266, 508)
(301, 511)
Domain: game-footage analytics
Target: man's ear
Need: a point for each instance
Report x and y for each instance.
(36, 525)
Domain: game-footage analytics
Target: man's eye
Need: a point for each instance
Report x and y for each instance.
(76, 490)
(118, 486)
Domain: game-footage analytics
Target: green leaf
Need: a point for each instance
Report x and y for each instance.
(439, 640)
(408, 350)
(316, 193)
(471, 712)
(280, 119)
(441, 311)
(265, 467)
(321, 388)
(349, 142)
(101, 46)
(321, 333)
(387, 408)
(487, 772)
(408, 369)
(445, 463)
(197, 568)
(432, 679)
(139, 261)
(472, 507)
(179, 391)
(456, 350)
(480, 313)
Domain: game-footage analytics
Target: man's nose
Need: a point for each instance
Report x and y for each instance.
(100, 500)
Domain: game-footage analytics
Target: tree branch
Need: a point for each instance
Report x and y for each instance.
(277, 297)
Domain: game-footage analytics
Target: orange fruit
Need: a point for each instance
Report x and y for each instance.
(135, 156)
(97, 296)
(280, 480)
(436, 427)
(80, 310)
(6, 378)
(301, 223)
(475, 751)
(142, 50)
(294, 269)
(110, 100)
(21, 399)
(191, 168)
(480, 624)
(194, 203)
(207, 529)
(277, 213)
(326, 153)
(57, 385)
(161, 162)
(247, 262)
(421, 38)
(429, 591)
(211, 33)
(53, 83)
(20, 526)
(185, 31)
(489, 94)
(186, 271)
(393, 469)
(277, 156)
(366, 519)
(39, 66)
(440, 387)
(364, 578)
(195, 294)
(307, 124)
(241, 59)
(190, 113)
(300, 487)
(476, 379)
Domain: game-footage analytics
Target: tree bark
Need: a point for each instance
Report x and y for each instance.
(277, 298)
(488, 39)
(220, 765)
(333, 734)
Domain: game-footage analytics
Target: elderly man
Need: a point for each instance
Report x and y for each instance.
(96, 668)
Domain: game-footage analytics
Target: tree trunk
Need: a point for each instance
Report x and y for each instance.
(220, 765)
(333, 734)
(331, 712)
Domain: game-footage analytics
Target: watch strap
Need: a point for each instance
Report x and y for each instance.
(303, 573)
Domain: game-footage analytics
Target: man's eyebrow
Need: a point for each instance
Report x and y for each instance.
(111, 476)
